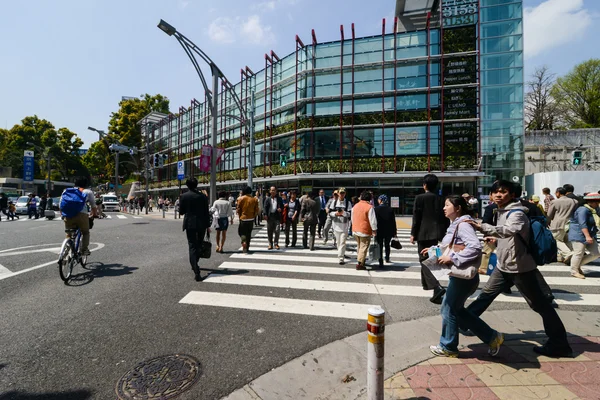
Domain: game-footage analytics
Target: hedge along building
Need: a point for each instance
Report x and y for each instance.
(438, 91)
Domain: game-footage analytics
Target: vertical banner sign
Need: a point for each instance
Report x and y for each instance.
(180, 170)
(28, 166)
(205, 158)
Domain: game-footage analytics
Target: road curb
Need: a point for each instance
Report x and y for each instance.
(338, 369)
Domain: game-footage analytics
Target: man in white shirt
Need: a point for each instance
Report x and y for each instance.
(339, 212)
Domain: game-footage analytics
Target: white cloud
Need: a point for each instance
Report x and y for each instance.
(222, 30)
(554, 23)
(255, 32)
(246, 29)
(183, 4)
(266, 5)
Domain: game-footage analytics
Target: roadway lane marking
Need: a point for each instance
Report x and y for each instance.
(572, 299)
(55, 250)
(99, 246)
(121, 216)
(28, 247)
(4, 271)
(277, 304)
(108, 217)
(280, 256)
(385, 274)
(138, 217)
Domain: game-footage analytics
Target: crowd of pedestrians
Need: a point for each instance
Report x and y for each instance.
(444, 230)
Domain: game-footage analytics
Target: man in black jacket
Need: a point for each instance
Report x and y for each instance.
(273, 207)
(194, 205)
(386, 227)
(428, 228)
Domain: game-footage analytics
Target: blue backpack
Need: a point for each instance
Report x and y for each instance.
(72, 202)
(542, 245)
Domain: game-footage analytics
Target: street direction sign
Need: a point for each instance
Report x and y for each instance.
(28, 166)
(180, 170)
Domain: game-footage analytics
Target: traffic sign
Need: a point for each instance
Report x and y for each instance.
(180, 170)
(28, 166)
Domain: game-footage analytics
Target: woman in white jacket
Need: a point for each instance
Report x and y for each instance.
(462, 255)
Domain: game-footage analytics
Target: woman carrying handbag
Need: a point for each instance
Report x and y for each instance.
(462, 255)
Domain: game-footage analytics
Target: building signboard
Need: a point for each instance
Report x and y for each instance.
(395, 202)
(459, 12)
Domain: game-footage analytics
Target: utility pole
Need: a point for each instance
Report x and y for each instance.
(252, 144)
(213, 159)
(116, 172)
(49, 171)
(147, 163)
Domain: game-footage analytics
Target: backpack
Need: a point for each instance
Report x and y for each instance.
(72, 202)
(542, 245)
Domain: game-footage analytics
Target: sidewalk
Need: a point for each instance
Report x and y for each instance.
(338, 370)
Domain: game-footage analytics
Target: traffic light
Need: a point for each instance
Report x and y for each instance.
(283, 160)
(163, 159)
(577, 157)
(156, 160)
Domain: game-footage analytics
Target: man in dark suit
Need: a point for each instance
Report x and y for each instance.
(273, 207)
(428, 228)
(194, 205)
(322, 200)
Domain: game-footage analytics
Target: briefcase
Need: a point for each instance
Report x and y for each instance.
(206, 248)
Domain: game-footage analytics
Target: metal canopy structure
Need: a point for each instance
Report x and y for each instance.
(153, 118)
(146, 123)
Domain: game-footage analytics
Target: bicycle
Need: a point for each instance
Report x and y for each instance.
(70, 253)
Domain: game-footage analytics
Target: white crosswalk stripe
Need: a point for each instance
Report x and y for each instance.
(298, 269)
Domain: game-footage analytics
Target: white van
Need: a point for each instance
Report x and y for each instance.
(110, 202)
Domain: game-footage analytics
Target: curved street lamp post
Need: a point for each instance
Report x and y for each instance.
(212, 95)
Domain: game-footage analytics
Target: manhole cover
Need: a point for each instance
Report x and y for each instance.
(159, 378)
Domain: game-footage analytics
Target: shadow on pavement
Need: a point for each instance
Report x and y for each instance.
(82, 394)
(99, 270)
(225, 271)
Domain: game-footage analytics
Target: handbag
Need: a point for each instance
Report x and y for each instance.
(206, 247)
(462, 273)
(395, 244)
(374, 252)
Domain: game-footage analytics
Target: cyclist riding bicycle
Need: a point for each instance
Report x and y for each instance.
(73, 207)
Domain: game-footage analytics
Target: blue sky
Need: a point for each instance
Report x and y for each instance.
(70, 61)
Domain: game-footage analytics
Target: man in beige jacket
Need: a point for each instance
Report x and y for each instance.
(559, 213)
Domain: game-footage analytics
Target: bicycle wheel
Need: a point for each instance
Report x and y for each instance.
(65, 260)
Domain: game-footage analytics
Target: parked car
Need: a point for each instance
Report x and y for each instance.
(21, 205)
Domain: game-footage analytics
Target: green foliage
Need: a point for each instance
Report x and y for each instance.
(61, 144)
(123, 128)
(578, 95)
(458, 40)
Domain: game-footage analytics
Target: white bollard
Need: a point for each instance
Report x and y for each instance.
(164, 211)
(375, 353)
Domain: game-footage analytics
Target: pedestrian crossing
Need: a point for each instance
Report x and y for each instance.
(108, 216)
(306, 277)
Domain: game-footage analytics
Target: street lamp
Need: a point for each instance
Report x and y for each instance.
(190, 49)
(48, 162)
(101, 133)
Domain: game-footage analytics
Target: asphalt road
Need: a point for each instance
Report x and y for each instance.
(76, 341)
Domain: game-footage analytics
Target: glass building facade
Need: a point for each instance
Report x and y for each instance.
(371, 112)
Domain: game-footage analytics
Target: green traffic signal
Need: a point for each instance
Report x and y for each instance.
(282, 160)
(577, 157)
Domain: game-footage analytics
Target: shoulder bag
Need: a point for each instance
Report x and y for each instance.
(462, 273)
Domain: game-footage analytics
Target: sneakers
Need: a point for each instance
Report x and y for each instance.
(342, 262)
(495, 344)
(577, 275)
(441, 352)
(360, 267)
(85, 252)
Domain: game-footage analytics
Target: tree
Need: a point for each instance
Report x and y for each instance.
(541, 111)
(578, 94)
(123, 127)
(62, 144)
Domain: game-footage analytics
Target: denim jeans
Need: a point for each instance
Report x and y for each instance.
(531, 289)
(454, 313)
